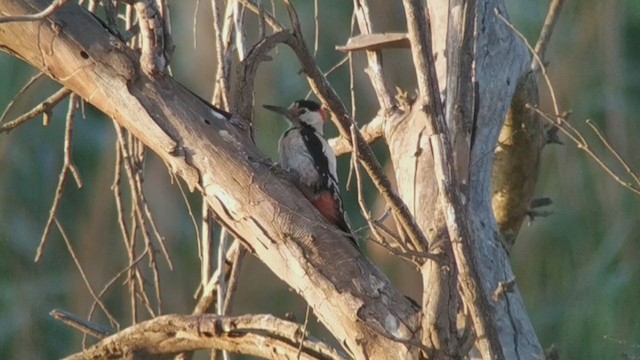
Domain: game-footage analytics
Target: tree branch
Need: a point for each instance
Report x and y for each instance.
(370, 132)
(257, 335)
(384, 94)
(55, 5)
(547, 30)
(44, 107)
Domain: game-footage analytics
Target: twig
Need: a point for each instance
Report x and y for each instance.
(195, 24)
(107, 313)
(67, 167)
(132, 161)
(208, 297)
(234, 277)
(331, 70)
(113, 281)
(86, 327)
(316, 23)
(55, 5)
(269, 18)
(537, 59)
(583, 145)
(304, 331)
(363, 207)
(613, 151)
(238, 22)
(128, 237)
(222, 281)
(221, 86)
(547, 29)
(370, 132)
(205, 244)
(383, 92)
(26, 87)
(44, 107)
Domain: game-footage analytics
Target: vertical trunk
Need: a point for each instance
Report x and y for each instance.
(408, 141)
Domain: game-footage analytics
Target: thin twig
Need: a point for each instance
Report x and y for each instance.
(55, 5)
(331, 70)
(107, 313)
(113, 281)
(234, 277)
(208, 297)
(26, 87)
(363, 207)
(205, 244)
(67, 167)
(613, 151)
(316, 23)
(383, 92)
(536, 57)
(269, 18)
(547, 29)
(95, 330)
(222, 282)
(304, 331)
(558, 120)
(221, 86)
(195, 24)
(584, 146)
(44, 107)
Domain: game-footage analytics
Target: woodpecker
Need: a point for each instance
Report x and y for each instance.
(307, 156)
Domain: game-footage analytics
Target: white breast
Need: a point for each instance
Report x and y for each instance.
(295, 158)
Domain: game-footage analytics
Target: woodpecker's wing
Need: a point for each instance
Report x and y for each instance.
(324, 159)
(327, 199)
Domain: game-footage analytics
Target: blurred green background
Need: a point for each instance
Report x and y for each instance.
(578, 269)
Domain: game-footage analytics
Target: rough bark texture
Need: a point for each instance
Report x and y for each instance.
(414, 176)
(501, 61)
(348, 294)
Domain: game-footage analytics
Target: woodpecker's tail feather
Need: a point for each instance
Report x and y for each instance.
(332, 210)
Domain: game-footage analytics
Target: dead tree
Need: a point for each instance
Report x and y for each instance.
(469, 66)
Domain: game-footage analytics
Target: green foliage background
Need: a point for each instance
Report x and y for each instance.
(578, 269)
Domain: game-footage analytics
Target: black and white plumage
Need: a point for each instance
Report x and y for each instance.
(307, 156)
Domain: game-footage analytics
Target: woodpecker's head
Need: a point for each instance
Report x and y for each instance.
(304, 111)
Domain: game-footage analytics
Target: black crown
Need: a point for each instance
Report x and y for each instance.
(308, 104)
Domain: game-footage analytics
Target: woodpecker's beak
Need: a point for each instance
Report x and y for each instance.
(280, 110)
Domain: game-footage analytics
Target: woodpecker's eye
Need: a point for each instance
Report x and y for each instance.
(302, 111)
